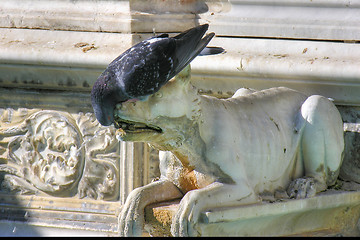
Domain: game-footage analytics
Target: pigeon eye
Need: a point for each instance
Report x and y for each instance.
(158, 94)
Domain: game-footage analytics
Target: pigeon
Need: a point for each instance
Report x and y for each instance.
(144, 68)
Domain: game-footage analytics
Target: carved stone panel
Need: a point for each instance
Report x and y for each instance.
(58, 153)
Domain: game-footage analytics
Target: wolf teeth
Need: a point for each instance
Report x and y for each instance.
(132, 126)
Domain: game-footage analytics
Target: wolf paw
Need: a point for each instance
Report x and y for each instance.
(302, 188)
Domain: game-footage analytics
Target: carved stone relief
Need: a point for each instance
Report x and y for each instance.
(57, 153)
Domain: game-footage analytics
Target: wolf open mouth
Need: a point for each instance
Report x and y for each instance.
(131, 126)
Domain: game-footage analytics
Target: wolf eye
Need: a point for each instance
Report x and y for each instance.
(158, 94)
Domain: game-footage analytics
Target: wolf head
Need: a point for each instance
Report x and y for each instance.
(161, 115)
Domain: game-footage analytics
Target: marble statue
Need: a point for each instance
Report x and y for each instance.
(226, 152)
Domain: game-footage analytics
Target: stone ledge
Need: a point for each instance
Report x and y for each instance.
(41, 216)
(334, 213)
(299, 19)
(29, 57)
(108, 16)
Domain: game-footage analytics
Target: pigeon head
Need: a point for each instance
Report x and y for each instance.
(105, 95)
(144, 68)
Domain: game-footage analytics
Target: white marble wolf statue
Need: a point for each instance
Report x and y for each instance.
(226, 152)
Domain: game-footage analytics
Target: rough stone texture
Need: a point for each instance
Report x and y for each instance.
(350, 169)
(159, 217)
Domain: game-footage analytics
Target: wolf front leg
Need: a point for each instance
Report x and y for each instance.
(214, 195)
(131, 218)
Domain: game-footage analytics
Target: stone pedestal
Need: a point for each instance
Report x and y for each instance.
(332, 213)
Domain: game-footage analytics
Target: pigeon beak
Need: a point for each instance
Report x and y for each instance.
(104, 115)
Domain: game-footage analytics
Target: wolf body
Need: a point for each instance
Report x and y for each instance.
(225, 152)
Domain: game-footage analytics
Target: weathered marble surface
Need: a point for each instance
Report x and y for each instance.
(58, 153)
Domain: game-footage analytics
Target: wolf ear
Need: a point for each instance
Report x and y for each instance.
(184, 76)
